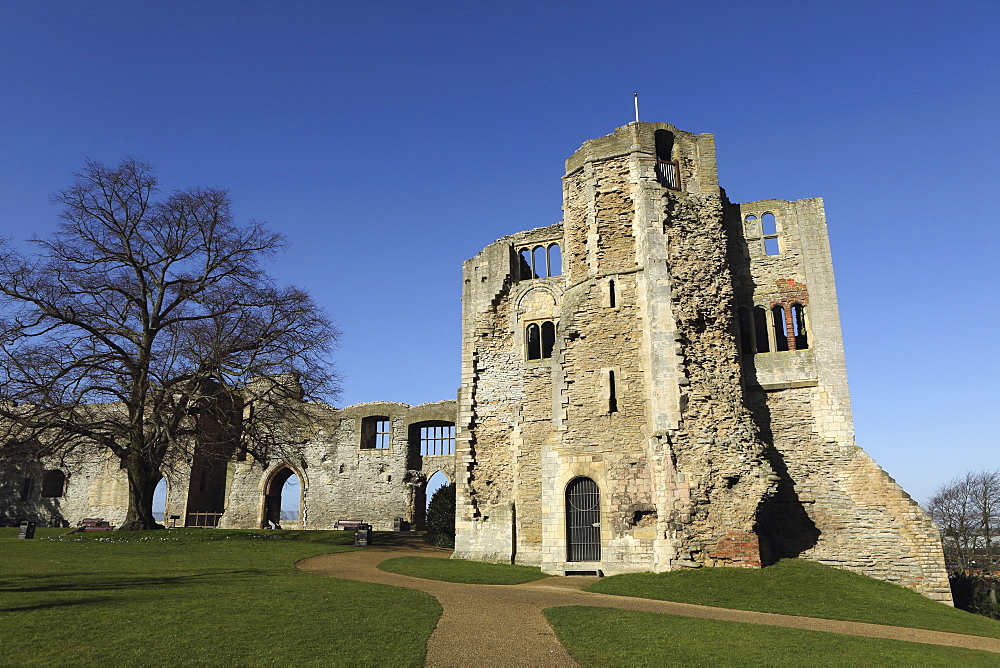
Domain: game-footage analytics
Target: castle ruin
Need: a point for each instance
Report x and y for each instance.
(656, 382)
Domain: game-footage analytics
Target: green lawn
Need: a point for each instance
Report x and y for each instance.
(460, 570)
(208, 597)
(606, 637)
(798, 587)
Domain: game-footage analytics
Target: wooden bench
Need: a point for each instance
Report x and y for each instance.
(348, 525)
(95, 524)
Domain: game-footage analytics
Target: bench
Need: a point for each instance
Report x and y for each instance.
(348, 525)
(95, 524)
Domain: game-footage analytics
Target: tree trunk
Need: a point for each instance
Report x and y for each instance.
(142, 481)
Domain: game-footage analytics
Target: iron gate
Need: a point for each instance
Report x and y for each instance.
(583, 520)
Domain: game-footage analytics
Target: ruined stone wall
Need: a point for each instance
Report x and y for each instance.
(339, 479)
(834, 504)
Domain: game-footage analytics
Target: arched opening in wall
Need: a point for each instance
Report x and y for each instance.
(533, 342)
(206, 498)
(667, 172)
(780, 329)
(524, 265)
(769, 227)
(612, 297)
(539, 262)
(799, 327)
(760, 329)
(555, 260)
(548, 338)
(746, 330)
(583, 520)
(160, 501)
(282, 499)
(424, 496)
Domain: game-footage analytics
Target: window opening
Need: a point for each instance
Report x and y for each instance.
(769, 230)
(548, 338)
(780, 329)
(769, 225)
(375, 432)
(760, 329)
(583, 520)
(751, 226)
(437, 439)
(612, 300)
(612, 393)
(667, 173)
(53, 483)
(799, 327)
(555, 260)
(525, 261)
(26, 485)
(539, 261)
(746, 331)
(160, 500)
(534, 341)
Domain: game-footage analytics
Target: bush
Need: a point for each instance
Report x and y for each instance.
(974, 593)
(441, 517)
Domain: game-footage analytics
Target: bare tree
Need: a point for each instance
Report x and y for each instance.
(145, 325)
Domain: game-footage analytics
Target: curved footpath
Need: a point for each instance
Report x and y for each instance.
(503, 625)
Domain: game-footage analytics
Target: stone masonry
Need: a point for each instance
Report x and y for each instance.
(679, 357)
(340, 478)
(656, 382)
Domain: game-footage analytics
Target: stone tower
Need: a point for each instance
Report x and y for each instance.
(658, 382)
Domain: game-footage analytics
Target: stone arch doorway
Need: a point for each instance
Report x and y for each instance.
(160, 502)
(583, 520)
(434, 482)
(274, 491)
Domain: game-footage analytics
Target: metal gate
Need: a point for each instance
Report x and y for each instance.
(583, 520)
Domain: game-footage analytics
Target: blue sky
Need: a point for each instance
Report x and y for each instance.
(391, 141)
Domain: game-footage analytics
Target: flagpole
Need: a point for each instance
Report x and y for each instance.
(636, 97)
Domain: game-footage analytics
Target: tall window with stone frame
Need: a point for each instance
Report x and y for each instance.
(539, 340)
(375, 432)
(433, 437)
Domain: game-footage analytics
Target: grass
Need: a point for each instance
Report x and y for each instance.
(460, 570)
(207, 597)
(607, 637)
(798, 587)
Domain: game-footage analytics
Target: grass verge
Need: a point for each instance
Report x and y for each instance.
(460, 570)
(799, 587)
(208, 597)
(607, 637)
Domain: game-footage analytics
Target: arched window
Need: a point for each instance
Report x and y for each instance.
(780, 329)
(799, 327)
(533, 340)
(769, 227)
(548, 338)
(539, 261)
(583, 520)
(555, 260)
(760, 329)
(746, 331)
(53, 483)
(524, 262)
(612, 297)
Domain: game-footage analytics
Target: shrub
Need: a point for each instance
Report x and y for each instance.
(441, 517)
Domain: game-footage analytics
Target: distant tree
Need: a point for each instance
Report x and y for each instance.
(441, 516)
(143, 325)
(967, 510)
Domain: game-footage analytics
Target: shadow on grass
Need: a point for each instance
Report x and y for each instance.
(57, 604)
(90, 582)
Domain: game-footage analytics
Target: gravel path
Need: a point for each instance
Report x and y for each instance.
(503, 625)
